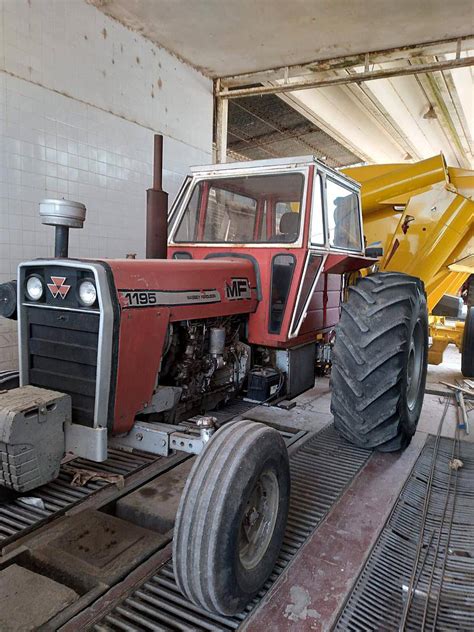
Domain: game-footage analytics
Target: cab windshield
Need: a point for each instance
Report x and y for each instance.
(244, 209)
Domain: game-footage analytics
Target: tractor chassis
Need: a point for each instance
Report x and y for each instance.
(162, 439)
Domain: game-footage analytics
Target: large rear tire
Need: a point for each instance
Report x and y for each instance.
(232, 517)
(467, 357)
(380, 361)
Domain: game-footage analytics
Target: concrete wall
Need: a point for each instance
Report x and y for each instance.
(80, 99)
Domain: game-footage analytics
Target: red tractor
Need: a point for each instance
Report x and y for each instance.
(260, 268)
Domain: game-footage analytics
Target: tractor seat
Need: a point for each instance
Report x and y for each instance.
(289, 227)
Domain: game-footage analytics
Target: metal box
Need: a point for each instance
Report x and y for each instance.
(299, 364)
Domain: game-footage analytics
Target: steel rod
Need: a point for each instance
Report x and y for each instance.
(222, 117)
(438, 542)
(358, 77)
(426, 503)
(457, 445)
(425, 49)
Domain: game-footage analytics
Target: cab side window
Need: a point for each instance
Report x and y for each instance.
(343, 217)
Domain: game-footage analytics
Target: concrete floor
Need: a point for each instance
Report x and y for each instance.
(311, 592)
(449, 371)
(312, 411)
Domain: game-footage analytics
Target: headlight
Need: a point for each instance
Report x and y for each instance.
(34, 288)
(87, 293)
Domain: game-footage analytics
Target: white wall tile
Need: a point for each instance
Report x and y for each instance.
(86, 132)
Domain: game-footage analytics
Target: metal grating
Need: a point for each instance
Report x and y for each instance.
(443, 586)
(58, 496)
(229, 411)
(321, 469)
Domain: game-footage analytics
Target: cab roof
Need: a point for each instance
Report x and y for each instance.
(295, 162)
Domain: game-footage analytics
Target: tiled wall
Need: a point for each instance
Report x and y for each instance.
(80, 99)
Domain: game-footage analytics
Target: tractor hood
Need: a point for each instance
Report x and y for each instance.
(188, 288)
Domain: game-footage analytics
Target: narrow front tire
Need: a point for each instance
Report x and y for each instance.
(232, 517)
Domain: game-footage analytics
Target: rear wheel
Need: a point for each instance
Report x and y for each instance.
(380, 361)
(467, 358)
(232, 517)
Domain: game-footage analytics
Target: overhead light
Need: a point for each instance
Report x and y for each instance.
(430, 113)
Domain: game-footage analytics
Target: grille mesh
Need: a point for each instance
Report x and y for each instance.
(63, 356)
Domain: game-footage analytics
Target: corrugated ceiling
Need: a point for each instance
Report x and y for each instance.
(266, 127)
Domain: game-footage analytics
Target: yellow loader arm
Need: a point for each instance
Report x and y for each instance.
(423, 216)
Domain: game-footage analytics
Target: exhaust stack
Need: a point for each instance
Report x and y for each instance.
(63, 215)
(157, 208)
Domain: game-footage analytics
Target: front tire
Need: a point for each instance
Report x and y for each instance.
(232, 517)
(467, 357)
(380, 361)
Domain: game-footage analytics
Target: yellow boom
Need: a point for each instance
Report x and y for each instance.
(423, 216)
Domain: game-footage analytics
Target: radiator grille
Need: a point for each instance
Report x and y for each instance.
(62, 356)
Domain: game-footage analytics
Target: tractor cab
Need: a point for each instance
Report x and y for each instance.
(297, 220)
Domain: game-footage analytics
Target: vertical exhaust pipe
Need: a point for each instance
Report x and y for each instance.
(157, 208)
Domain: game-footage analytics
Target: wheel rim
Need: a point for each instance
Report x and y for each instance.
(415, 365)
(259, 519)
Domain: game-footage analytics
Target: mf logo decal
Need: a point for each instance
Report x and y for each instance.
(58, 287)
(238, 289)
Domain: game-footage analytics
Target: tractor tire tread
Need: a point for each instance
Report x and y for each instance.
(369, 359)
(197, 528)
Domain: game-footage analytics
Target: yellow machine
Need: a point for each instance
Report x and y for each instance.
(422, 215)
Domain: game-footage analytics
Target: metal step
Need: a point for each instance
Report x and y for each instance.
(377, 601)
(321, 470)
(56, 497)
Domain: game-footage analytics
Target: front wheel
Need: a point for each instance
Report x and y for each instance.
(232, 517)
(380, 361)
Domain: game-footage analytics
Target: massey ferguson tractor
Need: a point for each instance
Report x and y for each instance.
(252, 295)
